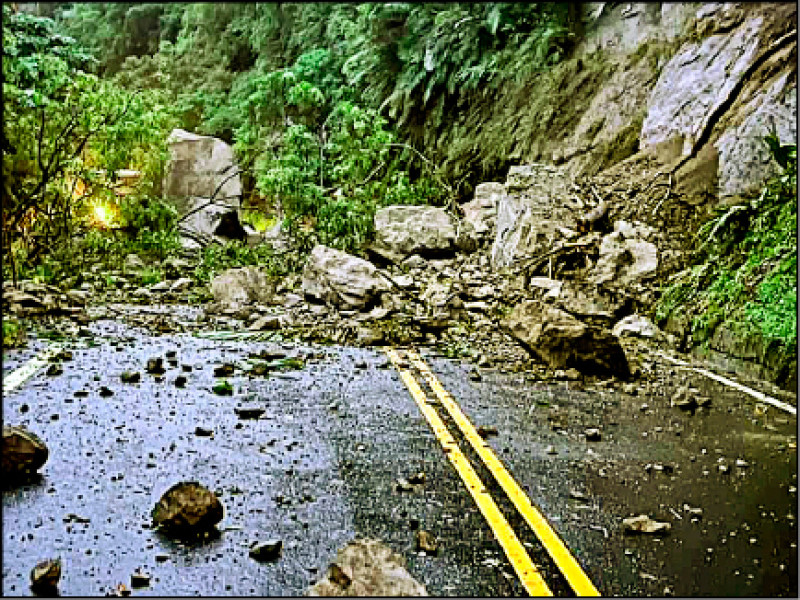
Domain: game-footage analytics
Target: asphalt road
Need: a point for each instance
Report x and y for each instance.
(320, 467)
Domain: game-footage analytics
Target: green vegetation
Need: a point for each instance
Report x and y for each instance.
(745, 271)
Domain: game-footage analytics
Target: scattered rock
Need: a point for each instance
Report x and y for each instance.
(45, 577)
(367, 568)
(23, 452)
(224, 370)
(684, 399)
(266, 551)
(105, 392)
(486, 432)
(267, 322)
(187, 509)
(181, 285)
(426, 542)
(180, 381)
(155, 366)
(140, 579)
(341, 279)
(203, 432)
(249, 412)
(644, 524)
(636, 325)
(592, 434)
(54, 370)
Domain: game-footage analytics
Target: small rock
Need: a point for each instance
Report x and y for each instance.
(180, 381)
(54, 370)
(187, 508)
(644, 524)
(155, 366)
(105, 392)
(131, 377)
(224, 370)
(485, 432)
(475, 375)
(162, 557)
(417, 478)
(742, 463)
(266, 551)
(403, 485)
(426, 542)
(551, 450)
(45, 577)
(249, 412)
(592, 434)
(139, 579)
(203, 432)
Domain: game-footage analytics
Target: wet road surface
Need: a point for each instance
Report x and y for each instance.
(320, 467)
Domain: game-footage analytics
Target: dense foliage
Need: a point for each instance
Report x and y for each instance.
(745, 270)
(64, 128)
(334, 109)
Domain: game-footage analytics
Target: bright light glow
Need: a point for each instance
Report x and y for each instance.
(102, 214)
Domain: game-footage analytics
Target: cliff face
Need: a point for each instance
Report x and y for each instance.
(661, 115)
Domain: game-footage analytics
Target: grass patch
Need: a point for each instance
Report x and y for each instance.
(745, 271)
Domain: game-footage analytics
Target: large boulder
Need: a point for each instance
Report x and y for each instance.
(529, 215)
(563, 342)
(236, 288)
(201, 168)
(367, 568)
(404, 230)
(341, 279)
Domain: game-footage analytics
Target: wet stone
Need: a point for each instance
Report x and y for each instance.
(140, 579)
(45, 577)
(155, 366)
(54, 370)
(180, 381)
(105, 392)
(130, 377)
(266, 551)
(225, 370)
(644, 524)
(203, 432)
(187, 509)
(249, 412)
(486, 432)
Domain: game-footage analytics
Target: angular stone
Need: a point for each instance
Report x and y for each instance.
(236, 288)
(341, 279)
(367, 568)
(23, 452)
(562, 341)
(405, 230)
(187, 508)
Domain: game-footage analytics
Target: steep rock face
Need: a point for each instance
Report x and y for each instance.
(199, 166)
(695, 83)
(341, 279)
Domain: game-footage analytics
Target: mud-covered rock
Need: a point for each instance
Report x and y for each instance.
(341, 279)
(562, 341)
(367, 568)
(23, 452)
(187, 508)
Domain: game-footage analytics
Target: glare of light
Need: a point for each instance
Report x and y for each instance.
(102, 214)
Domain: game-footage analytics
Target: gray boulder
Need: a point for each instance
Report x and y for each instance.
(624, 260)
(236, 288)
(404, 230)
(199, 167)
(341, 279)
(564, 342)
(367, 568)
(637, 326)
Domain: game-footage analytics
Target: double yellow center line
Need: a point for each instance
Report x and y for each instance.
(526, 570)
